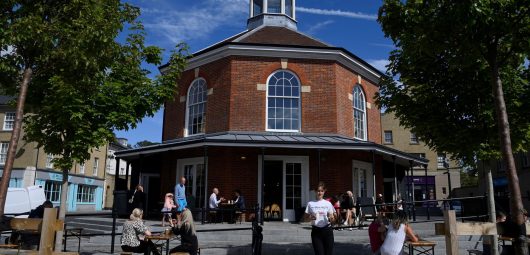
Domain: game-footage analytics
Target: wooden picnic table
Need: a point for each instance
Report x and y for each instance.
(164, 236)
(421, 247)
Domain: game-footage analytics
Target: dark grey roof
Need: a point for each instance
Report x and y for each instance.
(6, 99)
(271, 140)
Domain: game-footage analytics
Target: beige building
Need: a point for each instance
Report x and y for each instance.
(33, 166)
(430, 181)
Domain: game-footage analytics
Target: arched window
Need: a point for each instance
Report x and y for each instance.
(359, 113)
(196, 107)
(283, 102)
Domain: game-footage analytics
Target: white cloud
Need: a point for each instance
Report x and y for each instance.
(196, 22)
(385, 45)
(355, 15)
(313, 29)
(379, 64)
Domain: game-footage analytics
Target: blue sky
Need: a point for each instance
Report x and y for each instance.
(350, 24)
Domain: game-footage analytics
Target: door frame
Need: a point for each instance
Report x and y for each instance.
(180, 171)
(304, 161)
(370, 180)
(144, 181)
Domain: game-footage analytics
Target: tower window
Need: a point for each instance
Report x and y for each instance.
(289, 8)
(257, 7)
(274, 6)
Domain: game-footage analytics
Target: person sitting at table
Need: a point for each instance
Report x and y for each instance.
(213, 205)
(185, 227)
(348, 207)
(486, 239)
(239, 200)
(376, 233)
(214, 202)
(396, 232)
(169, 205)
(134, 230)
(28, 240)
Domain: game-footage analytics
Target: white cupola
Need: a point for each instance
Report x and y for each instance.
(279, 13)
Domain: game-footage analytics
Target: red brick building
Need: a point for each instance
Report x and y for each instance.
(271, 111)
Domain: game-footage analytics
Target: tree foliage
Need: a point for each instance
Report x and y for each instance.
(144, 143)
(82, 83)
(444, 72)
(463, 83)
(85, 83)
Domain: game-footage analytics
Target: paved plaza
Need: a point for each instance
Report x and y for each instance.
(279, 238)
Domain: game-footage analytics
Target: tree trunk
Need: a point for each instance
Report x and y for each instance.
(62, 211)
(516, 204)
(15, 134)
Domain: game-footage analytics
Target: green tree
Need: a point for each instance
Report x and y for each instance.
(463, 82)
(144, 143)
(83, 82)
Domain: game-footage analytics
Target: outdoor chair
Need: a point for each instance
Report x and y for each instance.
(367, 209)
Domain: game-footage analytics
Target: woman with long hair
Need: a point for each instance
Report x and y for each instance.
(322, 215)
(398, 229)
(134, 230)
(185, 227)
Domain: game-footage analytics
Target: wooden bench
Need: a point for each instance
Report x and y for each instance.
(46, 227)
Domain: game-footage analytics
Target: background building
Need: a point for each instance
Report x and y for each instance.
(125, 169)
(430, 177)
(500, 181)
(33, 166)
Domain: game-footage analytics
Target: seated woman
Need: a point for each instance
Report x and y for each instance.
(398, 229)
(185, 227)
(134, 230)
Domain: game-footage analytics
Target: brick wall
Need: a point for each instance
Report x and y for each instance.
(237, 105)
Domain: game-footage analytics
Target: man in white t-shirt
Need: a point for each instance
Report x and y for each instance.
(214, 202)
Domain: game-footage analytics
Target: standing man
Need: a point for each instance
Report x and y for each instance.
(180, 195)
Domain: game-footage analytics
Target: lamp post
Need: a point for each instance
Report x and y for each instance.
(446, 166)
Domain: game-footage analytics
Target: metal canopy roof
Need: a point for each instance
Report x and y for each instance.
(273, 140)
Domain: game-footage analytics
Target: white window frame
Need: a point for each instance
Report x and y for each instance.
(391, 141)
(52, 191)
(440, 160)
(362, 172)
(196, 82)
(414, 139)
(4, 147)
(359, 108)
(86, 194)
(95, 167)
(82, 168)
(49, 160)
(193, 183)
(288, 215)
(9, 120)
(283, 97)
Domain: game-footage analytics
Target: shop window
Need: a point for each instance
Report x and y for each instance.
(85, 194)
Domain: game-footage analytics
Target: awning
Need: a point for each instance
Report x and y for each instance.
(273, 140)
